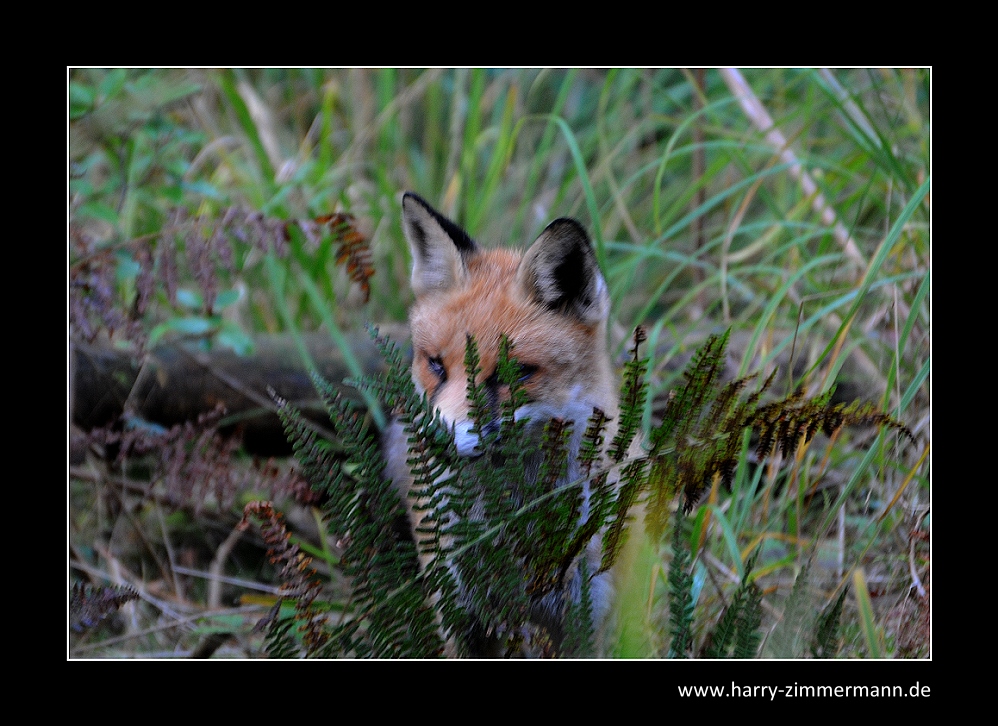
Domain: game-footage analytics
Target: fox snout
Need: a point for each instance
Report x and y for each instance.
(467, 439)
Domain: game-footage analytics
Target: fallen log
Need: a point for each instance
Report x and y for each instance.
(175, 383)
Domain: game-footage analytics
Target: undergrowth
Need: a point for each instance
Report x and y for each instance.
(502, 535)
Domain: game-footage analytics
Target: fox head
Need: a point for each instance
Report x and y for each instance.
(551, 301)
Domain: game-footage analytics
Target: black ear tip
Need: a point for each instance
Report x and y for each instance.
(568, 227)
(567, 222)
(461, 239)
(412, 196)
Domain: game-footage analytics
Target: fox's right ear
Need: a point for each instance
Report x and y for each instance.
(439, 247)
(560, 271)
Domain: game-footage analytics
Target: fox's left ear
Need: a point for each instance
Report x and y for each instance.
(560, 271)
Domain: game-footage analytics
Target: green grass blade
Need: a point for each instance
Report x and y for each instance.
(867, 620)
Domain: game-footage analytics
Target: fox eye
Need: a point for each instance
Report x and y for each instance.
(526, 371)
(436, 365)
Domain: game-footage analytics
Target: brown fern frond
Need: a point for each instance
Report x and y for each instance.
(768, 430)
(795, 420)
(719, 411)
(695, 444)
(195, 462)
(867, 414)
(298, 577)
(282, 483)
(351, 249)
(787, 436)
(89, 605)
(94, 303)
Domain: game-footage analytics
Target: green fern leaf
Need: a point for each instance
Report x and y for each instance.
(788, 635)
(680, 590)
(825, 643)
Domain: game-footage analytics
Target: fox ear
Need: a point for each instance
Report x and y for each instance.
(560, 271)
(439, 247)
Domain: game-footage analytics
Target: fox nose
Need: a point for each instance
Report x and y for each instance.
(466, 440)
(469, 443)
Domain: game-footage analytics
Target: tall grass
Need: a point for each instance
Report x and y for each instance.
(833, 277)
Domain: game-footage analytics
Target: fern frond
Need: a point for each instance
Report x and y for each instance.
(749, 621)
(680, 591)
(825, 643)
(510, 374)
(723, 633)
(795, 419)
(701, 430)
(501, 534)
(477, 395)
(580, 633)
(632, 399)
(362, 508)
(683, 409)
(546, 529)
(633, 480)
(352, 249)
(591, 447)
(298, 578)
(278, 639)
(741, 618)
(786, 640)
(664, 482)
(89, 605)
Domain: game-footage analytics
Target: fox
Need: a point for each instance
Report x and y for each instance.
(552, 302)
